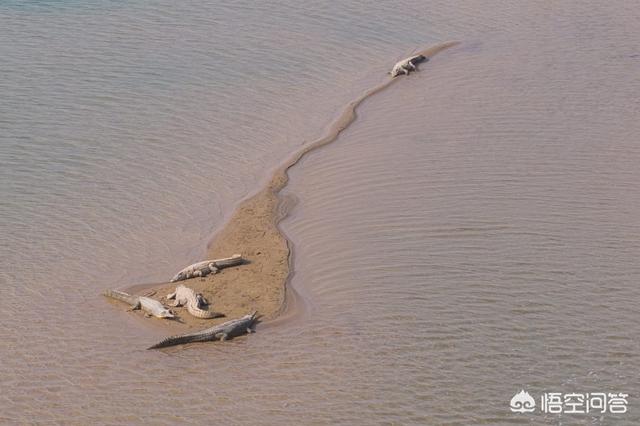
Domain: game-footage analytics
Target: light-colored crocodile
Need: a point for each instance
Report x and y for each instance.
(407, 65)
(185, 296)
(147, 304)
(206, 267)
(227, 330)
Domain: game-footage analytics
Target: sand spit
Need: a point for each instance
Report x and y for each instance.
(260, 284)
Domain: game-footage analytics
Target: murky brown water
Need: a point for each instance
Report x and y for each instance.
(475, 232)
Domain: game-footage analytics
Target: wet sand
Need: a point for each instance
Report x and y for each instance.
(261, 283)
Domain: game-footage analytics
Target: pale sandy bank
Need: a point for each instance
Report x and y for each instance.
(260, 284)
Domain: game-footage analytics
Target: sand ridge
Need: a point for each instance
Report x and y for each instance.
(259, 284)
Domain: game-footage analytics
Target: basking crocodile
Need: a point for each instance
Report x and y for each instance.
(206, 267)
(193, 301)
(407, 65)
(147, 304)
(224, 331)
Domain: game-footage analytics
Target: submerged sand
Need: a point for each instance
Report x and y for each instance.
(259, 284)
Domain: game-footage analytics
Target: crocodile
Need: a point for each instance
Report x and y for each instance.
(407, 65)
(206, 267)
(224, 331)
(147, 304)
(193, 301)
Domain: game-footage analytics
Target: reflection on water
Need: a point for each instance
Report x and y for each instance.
(475, 232)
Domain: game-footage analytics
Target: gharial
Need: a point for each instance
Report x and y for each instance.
(147, 304)
(407, 65)
(185, 296)
(206, 267)
(224, 331)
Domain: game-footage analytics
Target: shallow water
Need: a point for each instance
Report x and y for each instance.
(474, 232)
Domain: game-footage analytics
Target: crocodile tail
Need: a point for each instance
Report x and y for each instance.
(201, 313)
(120, 295)
(179, 340)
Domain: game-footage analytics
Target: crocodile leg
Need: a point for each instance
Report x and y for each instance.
(179, 302)
(173, 296)
(135, 307)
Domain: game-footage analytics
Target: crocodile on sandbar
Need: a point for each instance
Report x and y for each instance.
(185, 296)
(224, 331)
(147, 304)
(407, 65)
(206, 267)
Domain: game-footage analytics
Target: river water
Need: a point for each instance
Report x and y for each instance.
(473, 233)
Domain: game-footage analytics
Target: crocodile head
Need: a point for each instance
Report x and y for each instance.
(418, 59)
(166, 313)
(179, 277)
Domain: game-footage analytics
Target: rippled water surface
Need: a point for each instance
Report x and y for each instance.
(476, 231)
